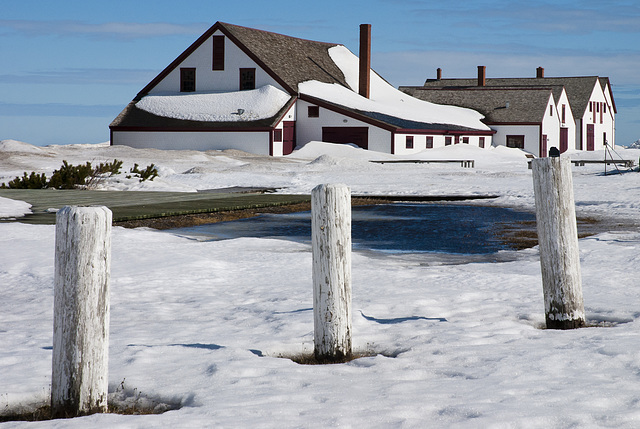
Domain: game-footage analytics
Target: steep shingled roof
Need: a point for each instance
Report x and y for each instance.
(578, 88)
(289, 60)
(293, 60)
(525, 105)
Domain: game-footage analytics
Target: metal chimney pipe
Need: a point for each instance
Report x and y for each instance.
(439, 74)
(364, 78)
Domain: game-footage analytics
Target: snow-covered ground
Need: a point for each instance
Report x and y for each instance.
(190, 319)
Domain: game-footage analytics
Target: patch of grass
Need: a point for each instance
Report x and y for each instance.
(310, 358)
(124, 400)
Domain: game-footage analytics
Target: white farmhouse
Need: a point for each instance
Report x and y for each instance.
(579, 115)
(264, 93)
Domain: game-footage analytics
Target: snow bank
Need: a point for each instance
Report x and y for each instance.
(18, 146)
(261, 103)
(384, 98)
(314, 149)
(220, 306)
(12, 208)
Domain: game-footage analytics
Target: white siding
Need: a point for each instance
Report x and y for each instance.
(310, 129)
(610, 118)
(551, 127)
(253, 142)
(208, 80)
(278, 148)
(531, 135)
(420, 142)
(593, 117)
(569, 122)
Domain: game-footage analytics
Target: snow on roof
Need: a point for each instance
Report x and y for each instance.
(384, 98)
(239, 106)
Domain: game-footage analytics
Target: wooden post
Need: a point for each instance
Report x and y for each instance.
(558, 243)
(79, 382)
(331, 249)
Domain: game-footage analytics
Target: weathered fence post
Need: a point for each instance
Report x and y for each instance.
(558, 243)
(79, 383)
(331, 248)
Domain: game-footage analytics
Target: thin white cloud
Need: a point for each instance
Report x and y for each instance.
(413, 67)
(514, 16)
(125, 30)
(81, 76)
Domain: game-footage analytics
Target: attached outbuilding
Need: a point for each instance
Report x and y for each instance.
(583, 108)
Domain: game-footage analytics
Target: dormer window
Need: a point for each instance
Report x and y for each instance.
(187, 80)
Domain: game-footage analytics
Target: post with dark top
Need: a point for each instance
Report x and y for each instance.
(558, 243)
(79, 383)
(331, 252)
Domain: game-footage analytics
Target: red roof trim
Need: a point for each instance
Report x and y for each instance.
(191, 130)
(175, 63)
(195, 45)
(445, 132)
(347, 112)
(513, 123)
(386, 126)
(253, 56)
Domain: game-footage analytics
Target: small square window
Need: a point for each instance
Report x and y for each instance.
(187, 79)
(313, 111)
(465, 140)
(515, 142)
(447, 141)
(247, 79)
(429, 142)
(277, 135)
(409, 142)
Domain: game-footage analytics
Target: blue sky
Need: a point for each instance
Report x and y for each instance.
(68, 67)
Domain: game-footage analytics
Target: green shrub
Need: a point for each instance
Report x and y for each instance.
(33, 181)
(109, 168)
(72, 176)
(148, 173)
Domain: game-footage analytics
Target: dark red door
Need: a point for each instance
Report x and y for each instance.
(288, 137)
(355, 135)
(591, 137)
(543, 146)
(564, 139)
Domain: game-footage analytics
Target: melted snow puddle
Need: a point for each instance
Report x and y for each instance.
(401, 228)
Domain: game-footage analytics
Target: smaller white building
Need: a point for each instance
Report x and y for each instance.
(533, 114)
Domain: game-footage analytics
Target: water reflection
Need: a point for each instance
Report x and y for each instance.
(391, 228)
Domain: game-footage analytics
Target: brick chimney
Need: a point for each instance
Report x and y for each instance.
(439, 74)
(540, 72)
(482, 75)
(364, 79)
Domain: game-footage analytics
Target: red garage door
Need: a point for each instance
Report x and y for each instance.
(356, 135)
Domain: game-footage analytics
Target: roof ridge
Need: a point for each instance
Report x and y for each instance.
(227, 24)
